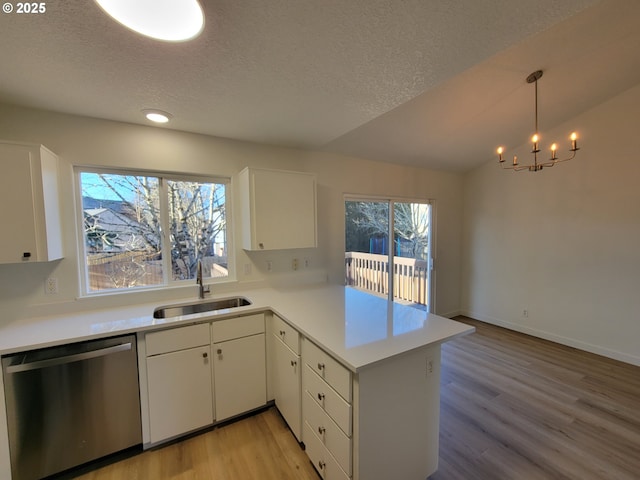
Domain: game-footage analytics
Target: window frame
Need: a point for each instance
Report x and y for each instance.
(163, 177)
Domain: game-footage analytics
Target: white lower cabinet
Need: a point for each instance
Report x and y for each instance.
(178, 402)
(286, 379)
(328, 432)
(239, 365)
(327, 413)
(182, 390)
(321, 457)
(239, 375)
(376, 424)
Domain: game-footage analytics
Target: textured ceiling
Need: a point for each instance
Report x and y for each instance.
(426, 82)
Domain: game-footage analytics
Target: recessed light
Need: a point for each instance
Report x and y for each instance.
(157, 116)
(168, 20)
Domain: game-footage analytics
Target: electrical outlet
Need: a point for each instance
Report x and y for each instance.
(247, 269)
(269, 265)
(51, 286)
(429, 366)
(306, 263)
(525, 313)
(294, 264)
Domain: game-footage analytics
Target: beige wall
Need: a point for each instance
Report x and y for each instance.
(87, 141)
(563, 243)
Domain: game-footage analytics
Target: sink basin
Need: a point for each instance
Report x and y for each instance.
(200, 307)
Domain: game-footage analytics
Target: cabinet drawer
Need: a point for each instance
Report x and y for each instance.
(175, 339)
(287, 334)
(238, 327)
(333, 438)
(322, 460)
(329, 369)
(327, 398)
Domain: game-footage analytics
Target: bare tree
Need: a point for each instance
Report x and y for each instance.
(197, 222)
(371, 219)
(197, 218)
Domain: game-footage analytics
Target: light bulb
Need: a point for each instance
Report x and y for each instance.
(167, 20)
(157, 116)
(574, 141)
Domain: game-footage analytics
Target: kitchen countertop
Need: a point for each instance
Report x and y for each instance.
(357, 328)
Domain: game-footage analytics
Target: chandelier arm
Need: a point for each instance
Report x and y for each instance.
(568, 158)
(516, 168)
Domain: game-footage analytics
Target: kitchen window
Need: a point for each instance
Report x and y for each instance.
(151, 230)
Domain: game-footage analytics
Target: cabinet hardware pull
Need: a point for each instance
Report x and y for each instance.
(293, 363)
(282, 333)
(320, 366)
(320, 396)
(321, 465)
(219, 351)
(321, 430)
(205, 355)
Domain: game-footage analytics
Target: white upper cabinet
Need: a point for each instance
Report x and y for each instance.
(29, 204)
(278, 209)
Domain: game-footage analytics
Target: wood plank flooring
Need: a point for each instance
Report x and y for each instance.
(517, 407)
(257, 447)
(513, 407)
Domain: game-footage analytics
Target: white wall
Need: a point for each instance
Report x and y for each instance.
(563, 243)
(88, 141)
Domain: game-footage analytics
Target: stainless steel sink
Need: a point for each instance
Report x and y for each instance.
(200, 307)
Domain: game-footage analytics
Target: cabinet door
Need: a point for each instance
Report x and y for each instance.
(180, 392)
(240, 376)
(17, 208)
(286, 384)
(279, 209)
(29, 204)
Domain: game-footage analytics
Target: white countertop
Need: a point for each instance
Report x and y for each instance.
(357, 328)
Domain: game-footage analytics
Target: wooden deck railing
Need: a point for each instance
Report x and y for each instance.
(371, 272)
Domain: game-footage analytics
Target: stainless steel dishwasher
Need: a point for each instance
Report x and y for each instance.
(71, 404)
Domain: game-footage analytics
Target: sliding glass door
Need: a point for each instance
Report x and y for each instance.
(388, 249)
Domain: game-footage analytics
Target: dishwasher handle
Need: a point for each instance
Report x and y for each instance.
(51, 362)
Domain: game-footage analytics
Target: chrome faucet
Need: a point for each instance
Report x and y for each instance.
(201, 288)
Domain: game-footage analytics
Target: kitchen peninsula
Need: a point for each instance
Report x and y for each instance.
(370, 371)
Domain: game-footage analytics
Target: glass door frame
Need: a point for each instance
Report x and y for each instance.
(391, 201)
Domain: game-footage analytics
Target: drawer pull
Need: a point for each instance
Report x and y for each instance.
(205, 355)
(321, 430)
(282, 332)
(293, 363)
(320, 366)
(219, 351)
(321, 464)
(321, 396)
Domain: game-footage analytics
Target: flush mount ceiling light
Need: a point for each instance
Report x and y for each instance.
(157, 116)
(168, 20)
(537, 166)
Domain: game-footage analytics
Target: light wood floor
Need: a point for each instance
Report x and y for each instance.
(257, 447)
(513, 407)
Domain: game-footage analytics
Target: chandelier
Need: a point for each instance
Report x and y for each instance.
(537, 165)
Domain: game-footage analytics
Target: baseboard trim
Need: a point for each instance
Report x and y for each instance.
(570, 342)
